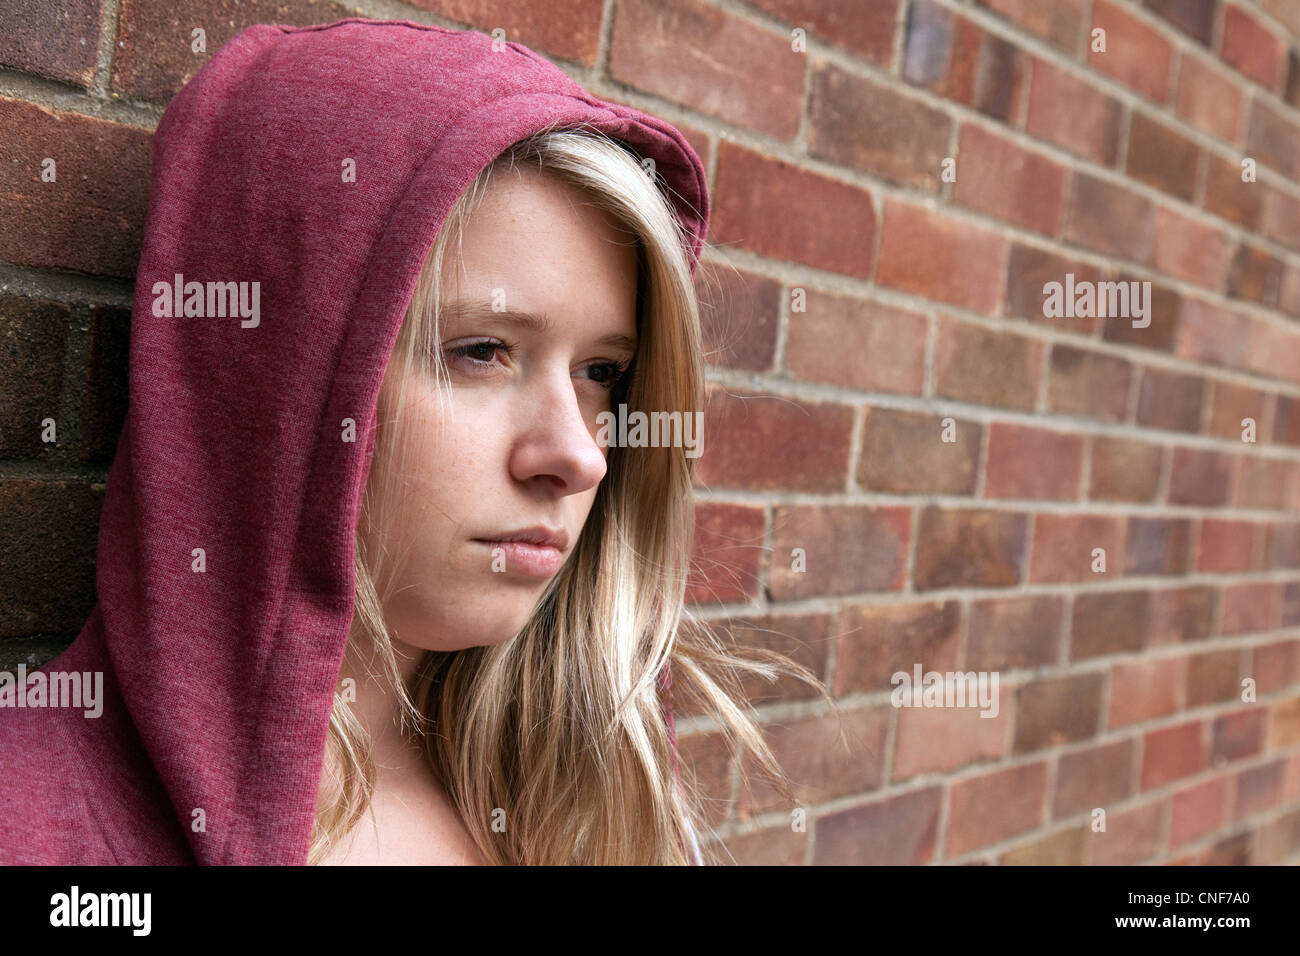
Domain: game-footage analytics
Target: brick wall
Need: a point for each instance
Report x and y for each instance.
(970, 483)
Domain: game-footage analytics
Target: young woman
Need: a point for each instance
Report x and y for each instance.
(373, 586)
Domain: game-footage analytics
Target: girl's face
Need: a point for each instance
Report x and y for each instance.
(537, 322)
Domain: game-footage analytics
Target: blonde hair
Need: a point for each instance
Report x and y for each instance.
(563, 727)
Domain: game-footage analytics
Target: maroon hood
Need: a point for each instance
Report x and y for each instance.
(218, 684)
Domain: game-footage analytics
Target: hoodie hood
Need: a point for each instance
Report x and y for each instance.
(310, 168)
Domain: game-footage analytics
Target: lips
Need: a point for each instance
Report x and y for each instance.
(536, 552)
(537, 535)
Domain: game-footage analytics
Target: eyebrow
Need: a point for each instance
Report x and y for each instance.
(529, 321)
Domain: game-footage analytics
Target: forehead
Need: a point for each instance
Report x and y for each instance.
(536, 244)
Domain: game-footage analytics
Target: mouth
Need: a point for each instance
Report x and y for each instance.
(535, 552)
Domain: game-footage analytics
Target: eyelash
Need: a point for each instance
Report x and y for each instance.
(462, 351)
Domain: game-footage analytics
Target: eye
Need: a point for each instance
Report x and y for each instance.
(611, 373)
(481, 353)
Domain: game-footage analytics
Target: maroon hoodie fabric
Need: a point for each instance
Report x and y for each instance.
(218, 685)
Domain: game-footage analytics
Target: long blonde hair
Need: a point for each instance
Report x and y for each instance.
(560, 733)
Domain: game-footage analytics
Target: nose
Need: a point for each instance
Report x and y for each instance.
(555, 442)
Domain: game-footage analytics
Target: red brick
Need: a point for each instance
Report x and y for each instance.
(1250, 608)
(1289, 298)
(1014, 632)
(1124, 469)
(1180, 615)
(861, 26)
(48, 534)
(966, 547)
(1189, 249)
(1211, 334)
(894, 339)
(1273, 138)
(1162, 158)
(940, 739)
(1277, 839)
(1028, 270)
(1283, 548)
(936, 256)
(1090, 384)
(1259, 789)
(1214, 677)
(1232, 403)
(771, 846)
(1199, 810)
(1172, 753)
(763, 442)
(1252, 48)
(859, 123)
(1163, 307)
(1286, 423)
(1200, 477)
(91, 218)
(1143, 690)
(904, 452)
(1062, 848)
(58, 40)
(1284, 727)
(1157, 545)
(875, 641)
(1256, 275)
(1028, 462)
(1058, 23)
(1193, 17)
(986, 367)
(105, 389)
(704, 57)
(994, 807)
(1171, 400)
(1073, 114)
(1001, 179)
(1063, 546)
(707, 761)
(153, 58)
(959, 61)
(739, 315)
(1110, 218)
(1225, 545)
(1210, 99)
(33, 339)
(1096, 777)
(1109, 623)
(846, 549)
(750, 192)
(805, 638)
(1131, 836)
(1273, 348)
(728, 548)
(1136, 55)
(1237, 736)
(1280, 220)
(825, 757)
(1227, 196)
(898, 831)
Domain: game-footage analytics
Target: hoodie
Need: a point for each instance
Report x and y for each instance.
(225, 552)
